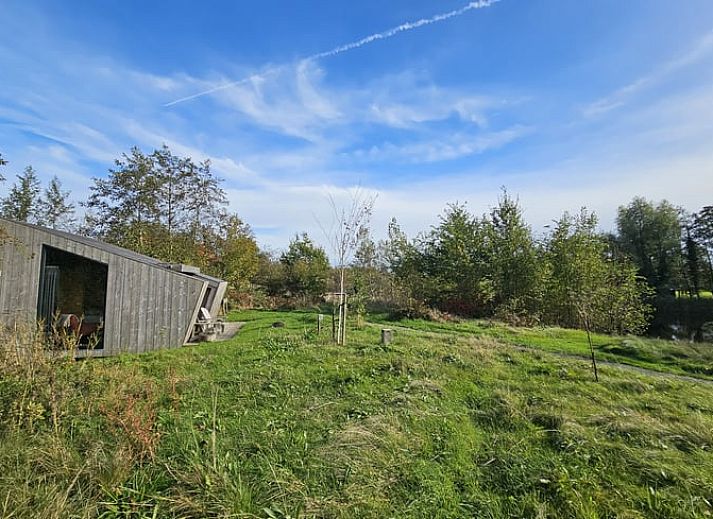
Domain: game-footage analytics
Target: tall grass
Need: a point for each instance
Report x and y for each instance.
(280, 422)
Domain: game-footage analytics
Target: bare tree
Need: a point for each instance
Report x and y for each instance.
(348, 222)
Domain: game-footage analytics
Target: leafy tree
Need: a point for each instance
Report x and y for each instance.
(370, 280)
(237, 255)
(586, 286)
(22, 202)
(366, 254)
(159, 204)
(574, 259)
(174, 176)
(306, 267)
(395, 250)
(400, 260)
(55, 210)
(623, 306)
(651, 236)
(124, 207)
(702, 230)
(271, 273)
(205, 200)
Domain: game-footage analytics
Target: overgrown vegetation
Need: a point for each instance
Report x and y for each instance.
(279, 422)
(494, 265)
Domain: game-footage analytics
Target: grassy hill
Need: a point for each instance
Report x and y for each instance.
(450, 420)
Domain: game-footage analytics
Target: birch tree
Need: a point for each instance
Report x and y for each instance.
(349, 222)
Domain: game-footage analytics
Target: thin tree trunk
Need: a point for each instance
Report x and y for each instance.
(342, 309)
(344, 320)
(591, 349)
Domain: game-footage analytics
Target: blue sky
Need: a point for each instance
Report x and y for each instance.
(565, 103)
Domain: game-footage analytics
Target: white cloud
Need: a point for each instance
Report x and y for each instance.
(623, 95)
(435, 105)
(455, 146)
(389, 33)
(284, 137)
(291, 102)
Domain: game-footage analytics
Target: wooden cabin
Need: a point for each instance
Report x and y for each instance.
(115, 299)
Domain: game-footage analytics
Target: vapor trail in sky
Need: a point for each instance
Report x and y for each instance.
(404, 27)
(408, 26)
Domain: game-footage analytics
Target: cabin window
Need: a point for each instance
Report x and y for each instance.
(72, 294)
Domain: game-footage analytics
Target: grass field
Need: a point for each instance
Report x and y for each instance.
(681, 357)
(703, 294)
(447, 421)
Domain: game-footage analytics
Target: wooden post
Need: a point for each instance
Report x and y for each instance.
(340, 318)
(320, 320)
(334, 324)
(386, 335)
(343, 339)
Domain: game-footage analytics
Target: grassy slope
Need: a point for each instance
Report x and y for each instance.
(683, 358)
(279, 423)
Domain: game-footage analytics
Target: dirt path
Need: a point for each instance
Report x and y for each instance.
(565, 355)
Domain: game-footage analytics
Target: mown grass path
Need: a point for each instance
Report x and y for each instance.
(620, 364)
(684, 358)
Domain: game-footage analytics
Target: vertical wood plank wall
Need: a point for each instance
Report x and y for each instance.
(147, 306)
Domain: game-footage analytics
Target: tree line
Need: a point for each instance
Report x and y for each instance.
(491, 265)
(158, 203)
(495, 266)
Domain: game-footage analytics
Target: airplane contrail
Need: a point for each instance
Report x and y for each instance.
(403, 27)
(248, 79)
(408, 26)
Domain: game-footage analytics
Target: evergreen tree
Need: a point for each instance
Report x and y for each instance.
(55, 210)
(693, 264)
(455, 261)
(513, 258)
(22, 202)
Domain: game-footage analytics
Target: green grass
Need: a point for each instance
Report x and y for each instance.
(682, 357)
(703, 294)
(279, 422)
